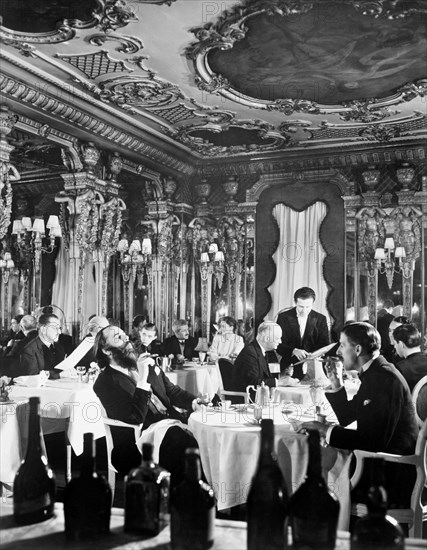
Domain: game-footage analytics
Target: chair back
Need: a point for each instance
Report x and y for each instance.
(226, 371)
(236, 397)
(108, 422)
(419, 400)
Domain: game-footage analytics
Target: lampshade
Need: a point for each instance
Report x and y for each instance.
(123, 245)
(53, 221)
(400, 252)
(379, 254)
(135, 246)
(219, 256)
(389, 243)
(10, 264)
(213, 248)
(17, 227)
(7, 256)
(204, 257)
(2, 264)
(146, 246)
(55, 231)
(38, 225)
(26, 223)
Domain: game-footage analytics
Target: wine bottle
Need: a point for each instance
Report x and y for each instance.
(192, 508)
(268, 502)
(87, 499)
(146, 496)
(314, 509)
(34, 486)
(377, 530)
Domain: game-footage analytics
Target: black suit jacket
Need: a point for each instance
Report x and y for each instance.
(171, 346)
(383, 410)
(413, 368)
(251, 368)
(32, 359)
(316, 335)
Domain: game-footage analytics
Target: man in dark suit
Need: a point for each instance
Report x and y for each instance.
(138, 392)
(303, 331)
(385, 317)
(251, 365)
(407, 343)
(382, 406)
(146, 341)
(44, 352)
(9, 363)
(181, 345)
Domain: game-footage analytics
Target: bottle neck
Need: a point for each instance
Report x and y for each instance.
(193, 470)
(34, 432)
(266, 454)
(88, 462)
(314, 468)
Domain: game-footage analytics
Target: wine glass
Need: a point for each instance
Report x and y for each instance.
(202, 356)
(80, 372)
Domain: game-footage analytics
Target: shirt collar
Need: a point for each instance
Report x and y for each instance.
(366, 365)
(120, 369)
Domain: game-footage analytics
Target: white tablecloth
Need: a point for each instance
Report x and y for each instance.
(300, 394)
(65, 402)
(196, 379)
(229, 447)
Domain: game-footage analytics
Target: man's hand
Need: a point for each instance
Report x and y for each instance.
(199, 401)
(334, 371)
(321, 427)
(300, 354)
(143, 364)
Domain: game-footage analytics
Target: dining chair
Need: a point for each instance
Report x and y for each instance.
(226, 370)
(419, 400)
(242, 395)
(417, 513)
(108, 422)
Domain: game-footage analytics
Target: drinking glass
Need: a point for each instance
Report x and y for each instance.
(202, 356)
(80, 372)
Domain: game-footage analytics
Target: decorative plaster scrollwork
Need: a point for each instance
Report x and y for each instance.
(127, 44)
(365, 111)
(380, 132)
(116, 14)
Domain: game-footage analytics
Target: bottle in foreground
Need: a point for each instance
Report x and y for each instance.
(314, 509)
(87, 499)
(146, 496)
(268, 503)
(34, 486)
(377, 530)
(192, 508)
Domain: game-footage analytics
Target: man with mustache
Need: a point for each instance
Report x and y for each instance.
(136, 391)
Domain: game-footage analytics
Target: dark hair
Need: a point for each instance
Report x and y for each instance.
(45, 318)
(138, 319)
(18, 318)
(363, 334)
(388, 303)
(304, 293)
(47, 310)
(150, 327)
(98, 347)
(408, 334)
(231, 322)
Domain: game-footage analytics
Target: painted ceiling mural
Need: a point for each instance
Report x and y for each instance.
(218, 78)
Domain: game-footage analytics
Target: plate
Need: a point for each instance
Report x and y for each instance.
(6, 402)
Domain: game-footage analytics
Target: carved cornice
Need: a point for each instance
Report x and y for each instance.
(232, 27)
(11, 87)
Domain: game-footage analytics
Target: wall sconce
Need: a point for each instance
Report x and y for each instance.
(23, 227)
(213, 262)
(386, 260)
(134, 258)
(6, 266)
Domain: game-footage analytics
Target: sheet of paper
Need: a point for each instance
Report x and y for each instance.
(73, 359)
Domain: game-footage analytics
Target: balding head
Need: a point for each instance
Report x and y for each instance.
(96, 324)
(269, 335)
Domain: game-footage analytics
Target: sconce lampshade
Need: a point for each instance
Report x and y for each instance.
(389, 243)
(122, 245)
(400, 252)
(52, 222)
(2, 264)
(26, 223)
(7, 256)
(146, 246)
(17, 227)
(379, 254)
(219, 256)
(10, 264)
(135, 246)
(38, 226)
(213, 248)
(55, 232)
(204, 257)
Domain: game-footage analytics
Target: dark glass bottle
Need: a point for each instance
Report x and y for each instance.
(314, 509)
(192, 508)
(87, 499)
(146, 496)
(34, 486)
(376, 530)
(268, 503)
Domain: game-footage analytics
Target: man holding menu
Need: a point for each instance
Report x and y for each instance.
(303, 331)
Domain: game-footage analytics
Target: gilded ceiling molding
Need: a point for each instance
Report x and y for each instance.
(127, 44)
(233, 25)
(381, 132)
(66, 30)
(23, 93)
(94, 65)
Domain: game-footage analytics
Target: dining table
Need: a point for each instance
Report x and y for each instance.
(198, 378)
(300, 392)
(229, 443)
(228, 535)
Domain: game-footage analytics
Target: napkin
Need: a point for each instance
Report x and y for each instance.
(32, 381)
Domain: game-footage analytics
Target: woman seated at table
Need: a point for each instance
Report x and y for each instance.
(226, 343)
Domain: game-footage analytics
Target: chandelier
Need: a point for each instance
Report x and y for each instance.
(391, 260)
(212, 262)
(135, 259)
(30, 235)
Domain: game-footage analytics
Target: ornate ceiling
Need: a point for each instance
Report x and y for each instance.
(178, 85)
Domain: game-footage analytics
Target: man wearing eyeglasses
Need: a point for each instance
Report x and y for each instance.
(44, 352)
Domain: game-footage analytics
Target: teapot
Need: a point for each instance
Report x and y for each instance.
(164, 363)
(262, 395)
